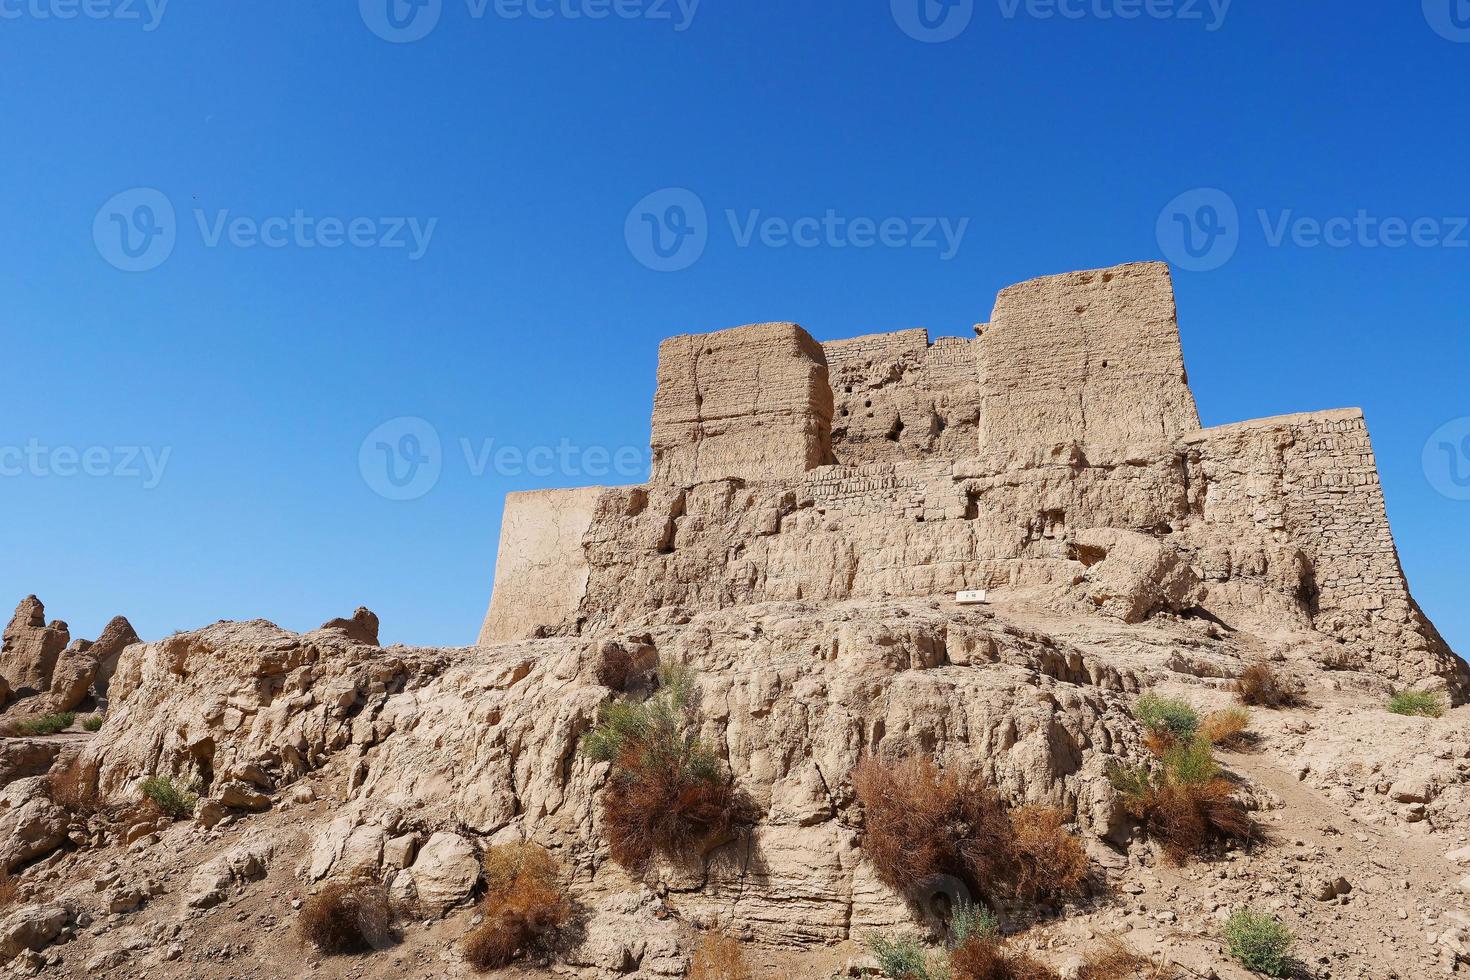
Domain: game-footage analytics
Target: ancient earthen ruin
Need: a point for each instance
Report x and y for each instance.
(1058, 452)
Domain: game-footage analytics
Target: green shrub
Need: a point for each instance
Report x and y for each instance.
(1428, 704)
(904, 958)
(1167, 715)
(972, 921)
(1191, 763)
(173, 799)
(1259, 942)
(48, 724)
(92, 722)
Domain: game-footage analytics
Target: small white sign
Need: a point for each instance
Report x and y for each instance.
(975, 597)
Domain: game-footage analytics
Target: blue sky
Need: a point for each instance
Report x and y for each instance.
(366, 229)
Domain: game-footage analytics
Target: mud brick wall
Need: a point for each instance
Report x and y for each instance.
(1086, 357)
(1312, 480)
(752, 403)
(898, 397)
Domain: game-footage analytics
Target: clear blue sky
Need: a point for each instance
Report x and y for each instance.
(528, 319)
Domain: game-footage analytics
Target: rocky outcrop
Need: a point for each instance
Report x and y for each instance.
(361, 628)
(1130, 575)
(31, 648)
(73, 676)
(41, 659)
(31, 826)
(116, 637)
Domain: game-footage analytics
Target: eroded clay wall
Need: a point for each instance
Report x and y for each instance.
(541, 568)
(751, 403)
(899, 397)
(1312, 480)
(1087, 357)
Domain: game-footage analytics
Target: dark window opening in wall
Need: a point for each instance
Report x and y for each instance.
(972, 505)
(896, 431)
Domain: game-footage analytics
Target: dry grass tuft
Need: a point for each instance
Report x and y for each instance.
(1049, 860)
(348, 916)
(1260, 686)
(525, 905)
(1184, 803)
(920, 822)
(1159, 741)
(719, 957)
(987, 958)
(1227, 728)
(1114, 961)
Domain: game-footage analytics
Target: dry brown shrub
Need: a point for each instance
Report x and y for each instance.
(665, 792)
(1226, 728)
(1159, 741)
(1260, 686)
(652, 808)
(510, 865)
(1114, 961)
(987, 958)
(347, 916)
(524, 907)
(1050, 861)
(9, 887)
(1185, 818)
(719, 957)
(920, 822)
